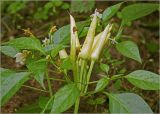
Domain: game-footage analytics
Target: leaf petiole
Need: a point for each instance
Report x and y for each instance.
(34, 88)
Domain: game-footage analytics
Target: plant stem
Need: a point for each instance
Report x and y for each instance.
(35, 88)
(118, 77)
(88, 93)
(93, 82)
(66, 76)
(57, 79)
(47, 105)
(49, 84)
(89, 74)
(84, 79)
(119, 31)
(77, 67)
(81, 72)
(76, 106)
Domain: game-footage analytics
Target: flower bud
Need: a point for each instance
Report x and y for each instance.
(21, 57)
(63, 54)
(46, 42)
(48, 57)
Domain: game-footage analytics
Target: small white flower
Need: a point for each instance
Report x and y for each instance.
(63, 54)
(46, 41)
(20, 58)
(97, 14)
(113, 41)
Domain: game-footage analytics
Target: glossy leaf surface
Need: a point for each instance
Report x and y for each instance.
(128, 103)
(65, 98)
(110, 11)
(144, 79)
(129, 49)
(138, 10)
(9, 51)
(102, 83)
(11, 83)
(38, 68)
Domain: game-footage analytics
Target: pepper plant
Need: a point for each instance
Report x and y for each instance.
(77, 61)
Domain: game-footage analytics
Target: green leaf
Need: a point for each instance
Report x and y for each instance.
(102, 83)
(65, 98)
(26, 43)
(82, 6)
(56, 50)
(9, 51)
(152, 47)
(11, 83)
(15, 7)
(38, 68)
(138, 10)
(83, 32)
(106, 53)
(66, 64)
(116, 62)
(6, 72)
(104, 67)
(62, 35)
(30, 108)
(128, 103)
(65, 6)
(43, 12)
(96, 101)
(129, 49)
(43, 101)
(144, 79)
(57, 3)
(117, 85)
(110, 11)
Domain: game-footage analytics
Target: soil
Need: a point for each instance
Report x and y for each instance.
(138, 33)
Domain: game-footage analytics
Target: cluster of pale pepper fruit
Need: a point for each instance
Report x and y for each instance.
(82, 57)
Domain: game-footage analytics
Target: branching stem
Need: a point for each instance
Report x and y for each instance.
(89, 74)
(49, 84)
(76, 106)
(37, 89)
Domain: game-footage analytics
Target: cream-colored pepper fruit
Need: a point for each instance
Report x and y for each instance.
(101, 42)
(87, 46)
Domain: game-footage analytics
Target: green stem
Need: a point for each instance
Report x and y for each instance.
(78, 75)
(119, 31)
(81, 73)
(93, 82)
(74, 72)
(118, 77)
(89, 74)
(66, 76)
(88, 93)
(84, 79)
(55, 65)
(76, 106)
(35, 88)
(49, 84)
(47, 105)
(57, 79)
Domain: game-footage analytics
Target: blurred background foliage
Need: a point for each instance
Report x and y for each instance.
(40, 16)
(22, 14)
